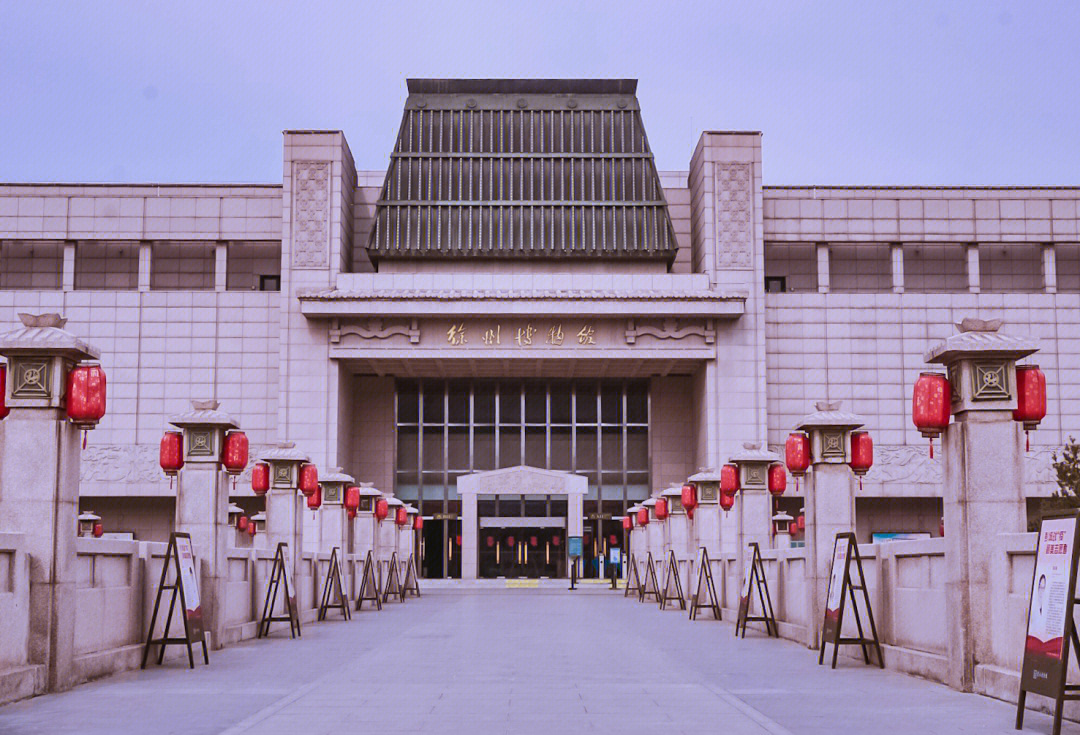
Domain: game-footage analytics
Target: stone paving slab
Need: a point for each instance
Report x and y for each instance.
(520, 661)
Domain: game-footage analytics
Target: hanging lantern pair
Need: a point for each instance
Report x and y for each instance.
(309, 479)
(729, 486)
(689, 497)
(352, 499)
(242, 523)
(314, 501)
(85, 396)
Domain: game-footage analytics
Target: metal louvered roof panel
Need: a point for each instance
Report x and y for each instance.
(519, 168)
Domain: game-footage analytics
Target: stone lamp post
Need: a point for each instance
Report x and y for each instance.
(707, 516)
(333, 523)
(753, 503)
(39, 484)
(782, 524)
(87, 520)
(202, 504)
(365, 528)
(677, 532)
(284, 503)
(830, 499)
(984, 481)
(386, 535)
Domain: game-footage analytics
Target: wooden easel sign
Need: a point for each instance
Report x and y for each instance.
(672, 579)
(842, 587)
(1051, 628)
(411, 585)
(706, 588)
(393, 581)
(369, 585)
(649, 585)
(280, 577)
(334, 583)
(754, 582)
(180, 559)
(632, 574)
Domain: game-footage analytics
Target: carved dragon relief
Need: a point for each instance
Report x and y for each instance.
(670, 329)
(105, 465)
(375, 329)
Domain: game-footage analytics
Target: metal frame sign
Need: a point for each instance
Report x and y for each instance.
(1050, 626)
(180, 560)
(575, 546)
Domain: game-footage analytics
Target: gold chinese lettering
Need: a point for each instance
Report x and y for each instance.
(586, 336)
(493, 336)
(555, 335)
(524, 336)
(455, 335)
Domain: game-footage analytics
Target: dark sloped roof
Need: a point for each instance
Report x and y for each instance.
(512, 168)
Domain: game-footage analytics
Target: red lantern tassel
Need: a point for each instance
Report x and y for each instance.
(84, 435)
(1027, 441)
(170, 481)
(931, 447)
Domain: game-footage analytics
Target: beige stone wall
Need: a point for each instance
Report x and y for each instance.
(671, 430)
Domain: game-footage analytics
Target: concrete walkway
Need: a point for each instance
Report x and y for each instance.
(515, 661)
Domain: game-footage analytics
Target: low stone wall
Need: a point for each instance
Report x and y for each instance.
(18, 677)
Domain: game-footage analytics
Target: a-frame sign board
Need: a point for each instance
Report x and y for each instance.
(392, 585)
(649, 585)
(334, 584)
(706, 588)
(841, 587)
(180, 560)
(411, 585)
(672, 578)
(369, 585)
(1051, 628)
(280, 581)
(632, 574)
(754, 582)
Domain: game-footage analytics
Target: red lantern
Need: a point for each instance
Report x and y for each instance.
(418, 523)
(457, 539)
(260, 478)
(643, 517)
(315, 499)
(309, 479)
(1030, 399)
(862, 454)
(628, 523)
(490, 541)
(382, 509)
(234, 453)
(661, 509)
(777, 479)
(86, 396)
(4, 410)
(689, 499)
(171, 455)
(533, 541)
(797, 455)
(556, 540)
(350, 513)
(251, 529)
(242, 523)
(931, 405)
(729, 480)
(510, 541)
(98, 530)
(727, 501)
(800, 522)
(352, 498)
(941, 527)
(613, 540)
(402, 516)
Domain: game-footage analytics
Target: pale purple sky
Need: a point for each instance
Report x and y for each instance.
(983, 92)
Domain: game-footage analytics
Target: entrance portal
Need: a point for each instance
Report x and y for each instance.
(523, 545)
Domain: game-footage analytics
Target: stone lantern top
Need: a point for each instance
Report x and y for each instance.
(980, 338)
(337, 475)
(754, 452)
(392, 501)
(634, 508)
(705, 474)
(649, 503)
(45, 334)
(368, 488)
(285, 452)
(829, 416)
(204, 413)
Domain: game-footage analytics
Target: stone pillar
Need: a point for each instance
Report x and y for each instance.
(897, 253)
(39, 482)
(221, 265)
(830, 500)
(753, 503)
(823, 267)
(1049, 260)
(67, 278)
(386, 537)
(202, 505)
(973, 268)
(984, 482)
(364, 524)
(332, 520)
(146, 249)
(677, 529)
(284, 503)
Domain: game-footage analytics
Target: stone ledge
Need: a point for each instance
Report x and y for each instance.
(21, 682)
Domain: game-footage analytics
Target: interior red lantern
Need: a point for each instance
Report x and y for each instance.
(661, 509)
(315, 499)
(777, 479)
(689, 499)
(613, 540)
(242, 523)
(418, 523)
(510, 541)
(862, 454)
(382, 509)
(4, 410)
(85, 395)
(402, 516)
(98, 530)
(490, 541)
(931, 405)
(251, 529)
(171, 454)
(352, 498)
(628, 523)
(556, 540)
(309, 479)
(234, 453)
(457, 539)
(260, 478)
(643, 517)
(1030, 399)
(800, 522)
(533, 541)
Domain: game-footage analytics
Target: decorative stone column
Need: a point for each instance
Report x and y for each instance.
(705, 527)
(654, 538)
(984, 482)
(284, 503)
(202, 505)
(386, 537)
(677, 530)
(365, 522)
(753, 503)
(39, 482)
(332, 520)
(830, 500)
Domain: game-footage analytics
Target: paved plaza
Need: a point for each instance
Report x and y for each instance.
(535, 660)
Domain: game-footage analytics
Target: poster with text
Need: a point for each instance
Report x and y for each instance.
(1048, 610)
(189, 583)
(836, 586)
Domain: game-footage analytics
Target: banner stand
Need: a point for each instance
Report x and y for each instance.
(181, 558)
(334, 582)
(369, 586)
(649, 586)
(756, 582)
(280, 576)
(846, 550)
(670, 574)
(1051, 627)
(632, 571)
(705, 577)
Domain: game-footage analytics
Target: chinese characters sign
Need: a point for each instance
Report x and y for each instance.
(526, 334)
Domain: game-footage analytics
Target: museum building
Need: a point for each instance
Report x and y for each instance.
(521, 294)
